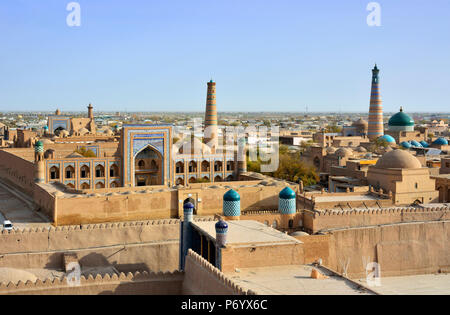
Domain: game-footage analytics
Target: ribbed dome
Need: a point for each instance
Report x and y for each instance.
(406, 144)
(414, 143)
(287, 193)
(401, 119)
(387, 138)
(398, 159)
(231, 195)
(440, 141)
(360, 122)
(424, 144)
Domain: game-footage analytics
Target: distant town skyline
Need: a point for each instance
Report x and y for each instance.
(266, 56)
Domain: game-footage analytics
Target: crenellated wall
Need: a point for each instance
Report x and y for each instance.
(168, 283)
(147, 245)
(317, 220)
(202, 278)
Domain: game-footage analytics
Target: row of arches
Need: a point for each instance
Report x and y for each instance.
(204, 179)
(85, 172)
(205, 166)
(98, 185)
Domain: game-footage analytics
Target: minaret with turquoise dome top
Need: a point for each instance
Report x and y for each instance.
(39, 164)
(232, 205)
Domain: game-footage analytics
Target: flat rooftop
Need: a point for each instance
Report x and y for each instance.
(293, 280)
(344, 198)
(414, 285)
(246, 232)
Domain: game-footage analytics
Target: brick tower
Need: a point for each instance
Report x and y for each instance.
(376, 108)
(210, 134)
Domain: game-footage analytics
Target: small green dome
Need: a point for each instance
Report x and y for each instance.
(287, 193)
(401, 119)
(231, 195)
(39, 144)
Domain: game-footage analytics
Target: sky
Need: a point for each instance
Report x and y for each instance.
(283, 55)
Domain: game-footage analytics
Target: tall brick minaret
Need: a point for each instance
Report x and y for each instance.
(376, 108)
(211, 116)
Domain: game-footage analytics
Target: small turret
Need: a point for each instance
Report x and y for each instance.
(186, 232)
(232, 205)
(287, 206)
(221, 233)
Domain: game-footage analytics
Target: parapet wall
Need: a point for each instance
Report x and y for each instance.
(202, 278)
(399, 249)
(319, 220)
(17, 170)
(121, 284)
(147, 245)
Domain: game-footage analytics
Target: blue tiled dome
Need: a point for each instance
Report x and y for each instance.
(414, 143)
(440, 141)
(406, 144)
(231, 195)
(287, 193)
(45, 128)
(424, 144)
(388, 138)
(401, 119)
(39, 144)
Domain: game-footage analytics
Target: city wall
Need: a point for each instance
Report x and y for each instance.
(144, 283)
(399, 249)
(128, 246)
(17, 170)
(202, 278)
(318, 220)
(127, 204)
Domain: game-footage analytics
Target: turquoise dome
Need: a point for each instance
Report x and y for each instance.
(440, 141)
(406, 145)
(401, 119)
(414, 143)
(424, 144)
(287, 193)
(388, 138)
(39, 144)
(45, 128)
(188, 205)
(231, 195)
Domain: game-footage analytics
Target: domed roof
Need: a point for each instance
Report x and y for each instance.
(331, 150)
(109, 132)
(424, 144)
(361, 149)
(221, 225)
(414, 143)
(45, 127)
(440, 141)
(406, 144)
(39, 144)
(287, 193)
(64, 133)
(192, 146)
(231, 195)
(343, 152)
(387, 138)
(360, 122)
(401, 119)
(398, 159)
(74, 155)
